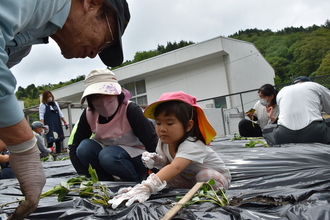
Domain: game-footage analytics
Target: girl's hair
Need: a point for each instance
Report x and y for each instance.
(89, 98)
(183, 112)
(268, 90)
(45, 96)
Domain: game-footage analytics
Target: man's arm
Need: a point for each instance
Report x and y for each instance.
(325, 98)
(21, 143)
(2, 146)
(17, 133)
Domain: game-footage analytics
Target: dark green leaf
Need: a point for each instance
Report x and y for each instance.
(93, 174)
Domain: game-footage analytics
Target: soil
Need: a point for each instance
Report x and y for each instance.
(262, 200)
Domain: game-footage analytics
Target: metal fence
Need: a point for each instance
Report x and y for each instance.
(225, 112)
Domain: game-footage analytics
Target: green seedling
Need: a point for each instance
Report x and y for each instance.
(252, 143)
(89, 188)
(51, 158)
(239, 137)
(208, 194)
(86, 187)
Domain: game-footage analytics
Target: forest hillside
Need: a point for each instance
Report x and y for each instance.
(293, 51)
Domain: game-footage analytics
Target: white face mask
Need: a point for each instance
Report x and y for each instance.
(42, 132)
(106, 105)
(50, 99)
(264, 102)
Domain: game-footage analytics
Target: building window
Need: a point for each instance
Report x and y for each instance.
(139, 92)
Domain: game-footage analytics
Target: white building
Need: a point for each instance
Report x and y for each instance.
(206, 70)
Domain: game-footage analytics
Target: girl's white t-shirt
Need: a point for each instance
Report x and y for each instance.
(200, 155)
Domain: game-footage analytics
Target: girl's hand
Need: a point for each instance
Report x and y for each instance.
(151, 160)
(140, 192)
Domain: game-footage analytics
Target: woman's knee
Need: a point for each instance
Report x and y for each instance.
(111, 155)
(88, 148)
(243, 122)
(243, 126)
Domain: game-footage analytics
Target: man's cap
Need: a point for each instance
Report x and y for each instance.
(301, 79)
(101, 81)
(205, 127)
(38, 124)
(113, 55)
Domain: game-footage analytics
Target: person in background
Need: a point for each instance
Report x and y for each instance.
(121, 132)
(182, 154)
(300, 120)
(39, 130)
(81, 28)
(6, 171)
(264, 112)
(50, 114)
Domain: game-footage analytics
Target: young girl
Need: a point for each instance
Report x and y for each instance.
(183, 156)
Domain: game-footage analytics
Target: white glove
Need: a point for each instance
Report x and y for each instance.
(151, 160)
(140, 192)
(29, 172)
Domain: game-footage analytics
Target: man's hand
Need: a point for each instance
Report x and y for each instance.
(28, 170)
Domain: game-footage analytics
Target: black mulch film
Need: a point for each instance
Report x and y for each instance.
(287, 182)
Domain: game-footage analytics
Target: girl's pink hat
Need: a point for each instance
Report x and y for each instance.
(205, 127)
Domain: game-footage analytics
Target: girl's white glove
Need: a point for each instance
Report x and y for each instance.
(28, 171)
(151, 160)
(140, 192)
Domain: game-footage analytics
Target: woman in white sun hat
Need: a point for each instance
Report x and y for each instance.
(121, 132)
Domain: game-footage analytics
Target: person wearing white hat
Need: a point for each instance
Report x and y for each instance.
(121, 132)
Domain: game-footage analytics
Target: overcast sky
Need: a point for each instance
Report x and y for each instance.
(156, 22)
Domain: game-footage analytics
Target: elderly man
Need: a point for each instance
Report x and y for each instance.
(81, 28)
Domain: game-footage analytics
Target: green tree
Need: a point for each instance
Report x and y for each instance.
(280, 65)
(324, 68)
(292, 51)
(310, 52)
(20, 94)
(139, 56)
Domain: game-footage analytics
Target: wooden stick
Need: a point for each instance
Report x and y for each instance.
(175, 209)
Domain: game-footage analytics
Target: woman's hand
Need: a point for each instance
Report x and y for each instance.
(250, 115)
(270, 113)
